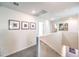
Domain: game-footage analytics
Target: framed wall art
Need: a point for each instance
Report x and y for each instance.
(66, 27)
(72, 50)
(24, 25)
(32, 25)
(63, 27)
(13, 24)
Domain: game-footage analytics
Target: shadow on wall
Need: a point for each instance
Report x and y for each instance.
(7, 42)
(70, 39)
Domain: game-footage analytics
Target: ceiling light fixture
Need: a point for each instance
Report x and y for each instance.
(33, 11)
(52, 19)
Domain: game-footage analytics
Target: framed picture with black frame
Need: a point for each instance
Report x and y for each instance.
(24, 25)
(32, 25)
(63, 27)
(72, 50)
(13, 24)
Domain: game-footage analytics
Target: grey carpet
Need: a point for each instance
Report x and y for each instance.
(46, 51)
(29, 52)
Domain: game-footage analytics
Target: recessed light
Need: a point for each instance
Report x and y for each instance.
(52, 19)
(33, 11)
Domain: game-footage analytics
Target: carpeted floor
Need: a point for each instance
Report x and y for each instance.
(46, 51)
(29, 52)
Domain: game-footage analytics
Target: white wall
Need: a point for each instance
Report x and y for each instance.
(40, 31)
(70, 39)
(72, 23)
(78, 32)
(14, 40)
(56, 40)
(53, 40)
(46, 27)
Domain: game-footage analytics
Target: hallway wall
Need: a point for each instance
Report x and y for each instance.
(78, 32)
(70, 37)
(56, 39)
(71, 20)
(12, 41)
(53, 40)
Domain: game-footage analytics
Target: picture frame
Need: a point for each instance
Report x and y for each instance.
(66, 27)
(63, 27)
(24, 25)
(72, 50)
(32, 25)
(13, 24)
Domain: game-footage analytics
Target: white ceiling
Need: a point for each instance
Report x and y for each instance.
(50, 7)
